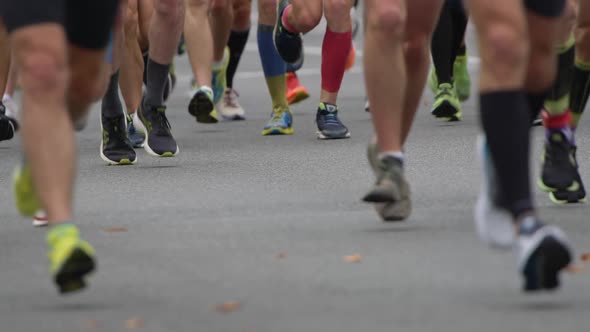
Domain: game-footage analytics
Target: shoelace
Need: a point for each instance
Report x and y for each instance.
(113, 126)
(163, 128)
(332, 118)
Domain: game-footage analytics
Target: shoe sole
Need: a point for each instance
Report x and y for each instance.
(394, 211)
(321, 136)
(278, 131)
(542, 269)
(573, 197)
(201, 107)
(446, 111)
(298, 63)
(298, 95)
(70, 277)
(122, 162)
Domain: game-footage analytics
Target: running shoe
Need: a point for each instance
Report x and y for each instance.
(25, 196)
(493, 223)
(219, 78)
(543, 252)
(158, 137)
(115, 146)
(40, 219)
(289, 45)
(280, 123)
(8, 125)
(367, 105)
(446, 104)
(71, 259)
(390, 211)
(462, 78)
(230, 108)
(135, 136)
(329, 125)
(295, 91)
(559, 175)
(202, 106)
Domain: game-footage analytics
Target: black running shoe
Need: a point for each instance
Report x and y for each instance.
(8, 125)
(289, 45)
(329, 125)
(559, 175)
(543, 252)
(115, 146)
(158, 137)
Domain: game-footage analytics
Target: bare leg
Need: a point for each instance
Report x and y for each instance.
(132, 61)
(199, 40)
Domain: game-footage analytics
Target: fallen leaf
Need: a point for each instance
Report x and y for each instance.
(574, 268)
(91, 324)
(355, 258)
(134, 323)
(586, 257)
(115, 230)
(281, 255)
(228, 307)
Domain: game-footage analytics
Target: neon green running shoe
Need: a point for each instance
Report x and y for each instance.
(280, 123)
(25, 197)
(70, 258)
(219, 78)
(446, 104)
(462, 78)
(432, 80)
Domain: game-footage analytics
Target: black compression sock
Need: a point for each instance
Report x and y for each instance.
(157, 78)
(535, 102)
(505, 119)
(460, 19)
(236, 43)
(111, 103)
(441, 48)
(580, 89)
(557, 99)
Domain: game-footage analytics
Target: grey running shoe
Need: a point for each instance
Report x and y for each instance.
(158, 137)
(115, 146)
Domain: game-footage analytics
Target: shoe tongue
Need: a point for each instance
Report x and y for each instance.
(330, 108)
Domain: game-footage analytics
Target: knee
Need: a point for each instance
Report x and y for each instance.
(307, 19)
(242, 10)
(506, 45)
(219, 7)
(389, 20)
(337, 10)
(42, 71)
(416, 50)
(169, 10)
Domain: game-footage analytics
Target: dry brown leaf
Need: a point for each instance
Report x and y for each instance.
(281, 255)
(575, 268)
(585, 257)
(91, 324)
(355, 258)
(115, 230)
(228, 307)
(134, 323)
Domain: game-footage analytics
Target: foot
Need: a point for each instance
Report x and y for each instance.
(367, 105)
(391, 192)
(493, 223)
(219, 79)
(115, 146)
(8, 125)
(202, 106)
(559, 175)
(158, 137)
(71, 259)
(230, 108)
(446, 104)
(543, 251)
(295, 91)
(280, 123)
(135, 136)
(40, 219)
(461, 77)
(289, 45)
(25, 196)
(329, 125)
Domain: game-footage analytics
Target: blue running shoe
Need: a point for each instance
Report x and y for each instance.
(136, 137)
(281, 123)
(289, 45)
(329, 125)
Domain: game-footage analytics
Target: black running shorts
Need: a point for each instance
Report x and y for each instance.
(88, 23)
(547, 8)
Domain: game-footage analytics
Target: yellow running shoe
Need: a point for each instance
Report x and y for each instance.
(280, 123)
(25, 197)
(70, 258)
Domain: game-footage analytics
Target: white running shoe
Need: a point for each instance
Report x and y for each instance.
(493, 223)
(229, 107)
(40, 219)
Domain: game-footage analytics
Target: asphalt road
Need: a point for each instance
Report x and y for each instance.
(262, 225)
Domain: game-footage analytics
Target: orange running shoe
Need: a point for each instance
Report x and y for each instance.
(295, 91)
(351, 58)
